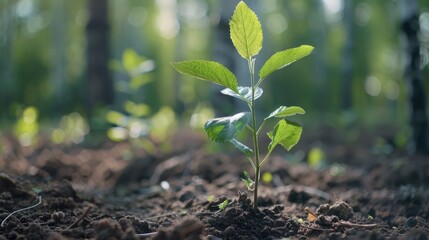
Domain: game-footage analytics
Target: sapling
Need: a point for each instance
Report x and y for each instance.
(246, 36)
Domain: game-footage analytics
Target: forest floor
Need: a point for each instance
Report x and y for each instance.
(366, 189)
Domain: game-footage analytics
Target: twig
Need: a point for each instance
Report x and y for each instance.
(20, 210)
(80, 218)
(309, 211)
(145, 235)
(356, 225)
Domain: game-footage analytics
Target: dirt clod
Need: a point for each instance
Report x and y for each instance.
(189, 228)
(340, 209)
(58, 216)
(108, 229)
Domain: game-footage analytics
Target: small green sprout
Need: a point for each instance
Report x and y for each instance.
(250, 184)
(210, 198)
(36, 190)
(223, 205)
(246, 35)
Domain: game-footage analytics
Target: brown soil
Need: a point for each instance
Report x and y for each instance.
(111, 192)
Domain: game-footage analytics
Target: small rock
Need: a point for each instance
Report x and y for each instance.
(58, 216)
(323, 209)
(340, 209)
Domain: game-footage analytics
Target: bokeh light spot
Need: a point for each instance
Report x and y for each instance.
(372, 86)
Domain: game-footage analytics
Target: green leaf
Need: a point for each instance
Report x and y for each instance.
(226, 128)
(209, 71)
(282, 59)
(244, 93)
(243, 148)
(223, 205)
(284, 111)
(139, 81)
(285, 133)
(250, 184)
(137, 109)
(117, 134)
(246, 31)
(116, 118)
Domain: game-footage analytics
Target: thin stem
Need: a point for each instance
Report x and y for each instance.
(80, 218)
(145, 235)
(260, 127)
(250, 128)
(251, 63)
(259, 82)
(251, 162)
(265, 159)
(20, 210)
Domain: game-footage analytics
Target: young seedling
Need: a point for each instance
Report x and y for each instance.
(246, 36)
(223, 205)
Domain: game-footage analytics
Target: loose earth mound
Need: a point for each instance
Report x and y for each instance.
(103, 193)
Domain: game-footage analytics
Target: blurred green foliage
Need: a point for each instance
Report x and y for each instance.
(72, 129)
(135, 121)
(43, 58)
(316, 158)
(27, 127)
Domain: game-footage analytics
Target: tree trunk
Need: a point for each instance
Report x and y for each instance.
(59, 56)
(418, 115)
(224, 52)
(7, 29)
(100, 86)
(348, 56)
(318, 29)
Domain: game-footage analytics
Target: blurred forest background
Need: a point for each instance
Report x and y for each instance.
(70, 66)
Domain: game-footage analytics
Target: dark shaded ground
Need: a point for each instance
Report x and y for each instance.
(94, 193)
